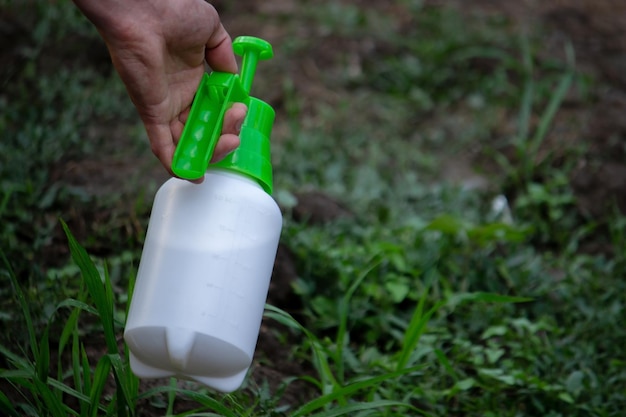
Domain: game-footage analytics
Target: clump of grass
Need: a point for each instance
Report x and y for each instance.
(78, 380)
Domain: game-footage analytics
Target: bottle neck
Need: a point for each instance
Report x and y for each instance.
(235, 175)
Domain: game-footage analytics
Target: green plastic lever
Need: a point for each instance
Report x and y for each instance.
(215, 95)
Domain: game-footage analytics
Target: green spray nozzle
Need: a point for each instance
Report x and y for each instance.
(251, 50)
(215, 95)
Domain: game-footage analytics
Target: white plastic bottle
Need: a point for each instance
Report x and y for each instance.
(203, 280)
(209, 251)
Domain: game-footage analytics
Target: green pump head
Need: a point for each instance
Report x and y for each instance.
(216, 93)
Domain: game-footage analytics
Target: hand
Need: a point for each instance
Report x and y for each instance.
(159, 48)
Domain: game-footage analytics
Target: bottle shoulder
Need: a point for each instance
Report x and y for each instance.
(218, 185)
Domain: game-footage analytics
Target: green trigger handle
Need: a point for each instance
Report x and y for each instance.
(215, 95)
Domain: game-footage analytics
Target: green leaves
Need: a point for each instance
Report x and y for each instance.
(100, 290)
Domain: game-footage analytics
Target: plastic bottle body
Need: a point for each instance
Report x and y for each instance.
(203, 279)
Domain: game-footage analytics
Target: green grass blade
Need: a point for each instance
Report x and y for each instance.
(131, 380)
(350, 389)
(126, 391)
(60, 386)
(484, 297)
(79, 383)
(70, 327)
(443, 360)
(70, 302)
(320, 354)
(553, 106)
(6, 407)
(109, 299)
(352, 408)
(43, 362)
(98, 291)
(86, 371)
(171, 398)
(548, 115)
(21, 298)
(415, 329)
(16, 360)
(100, 376)
(202, 399)
(15, 374)
(545, 122)
(53, 405)
(528, 94)
(344, 306)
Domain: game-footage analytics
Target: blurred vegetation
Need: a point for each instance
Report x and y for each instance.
(432, 298)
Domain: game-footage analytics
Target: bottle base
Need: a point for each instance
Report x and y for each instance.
(184, 353)
(226, 384)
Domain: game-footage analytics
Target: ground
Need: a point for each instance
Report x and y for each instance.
(596, 29)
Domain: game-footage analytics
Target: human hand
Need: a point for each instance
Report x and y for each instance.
(159, 48)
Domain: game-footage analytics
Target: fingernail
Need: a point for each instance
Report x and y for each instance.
(238, 126)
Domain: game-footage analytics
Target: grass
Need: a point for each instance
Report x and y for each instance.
(430, 299)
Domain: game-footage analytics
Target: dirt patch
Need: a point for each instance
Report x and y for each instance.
(597, 31)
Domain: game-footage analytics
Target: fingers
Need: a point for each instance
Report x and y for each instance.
(162, 144)
(226, 144)
(229, 141)
(233, 119)
(219, 48)
(163, 137)
(219, 54)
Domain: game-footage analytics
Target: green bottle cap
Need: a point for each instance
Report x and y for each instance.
(216, 93)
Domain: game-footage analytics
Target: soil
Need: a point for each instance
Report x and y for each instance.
(596, 29)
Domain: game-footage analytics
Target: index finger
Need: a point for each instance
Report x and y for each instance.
(219, 51)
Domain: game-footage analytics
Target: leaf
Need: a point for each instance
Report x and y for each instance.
(99, 292)
(398, 290)
(320, 354)
(66, 389)
(200, 398)
(448, 225)
(446, 364)
(6, 407)
(465, 384)
(494, 232)
(124, 384)
(499, 375)
(53, 404)
(497, 330)
(43, 361)
(348, 390)
(352, 408)
(574, 383)
(68, 330)
(415, 329)
(484, 297)
(565, 396)
(100, 376)
(344, 306)
(32, 336)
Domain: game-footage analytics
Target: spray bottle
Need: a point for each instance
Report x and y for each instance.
(209, 251)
